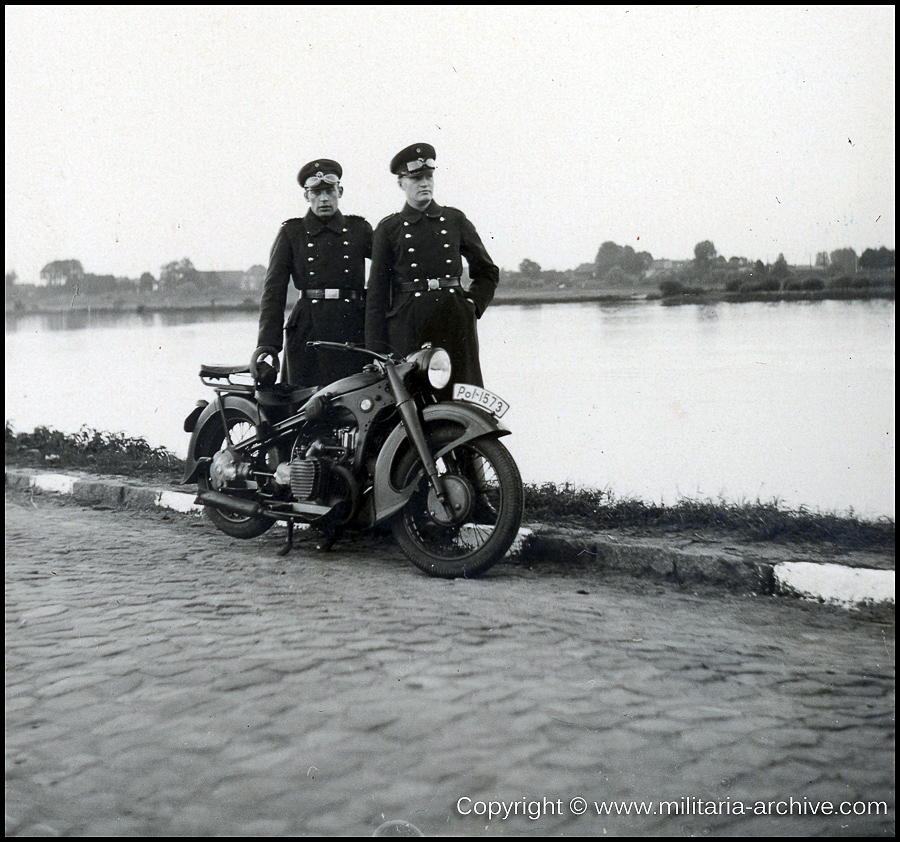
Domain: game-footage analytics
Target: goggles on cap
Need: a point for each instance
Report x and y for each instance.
(318, 178)
(415, 166)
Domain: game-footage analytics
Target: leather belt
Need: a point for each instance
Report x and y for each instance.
(331, 293)
(430, 283)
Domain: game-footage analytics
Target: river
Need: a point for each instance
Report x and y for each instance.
(791, 402)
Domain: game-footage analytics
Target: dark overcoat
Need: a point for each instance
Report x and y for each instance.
(317, 255)
(414, 247)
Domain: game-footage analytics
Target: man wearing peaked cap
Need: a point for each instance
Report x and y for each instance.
(414, 158)
(415, 294)
(319, 169)
(324, 253)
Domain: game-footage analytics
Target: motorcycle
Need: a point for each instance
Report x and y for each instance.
(377, 448)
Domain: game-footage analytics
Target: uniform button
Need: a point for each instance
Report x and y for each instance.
(443, 232)
(346, 257)
(442, 219)
(343, 230)
(346, 271)
(446, 245)
(309, 245)
(451, 288)
(309, 259)
(418, 294)
(408, 236)
(411, 249)
(449, 261)
(346, 243)
(413, 265)
(406, 223)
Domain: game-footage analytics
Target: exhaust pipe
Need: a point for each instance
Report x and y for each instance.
(217, 500)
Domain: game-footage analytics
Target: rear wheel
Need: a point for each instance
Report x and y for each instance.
(240, 427)
(485, 487)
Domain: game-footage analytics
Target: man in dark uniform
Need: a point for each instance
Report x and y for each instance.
(414, 293)
(324, 253)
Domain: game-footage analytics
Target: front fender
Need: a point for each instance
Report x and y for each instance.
(473, 422)
(208, 417)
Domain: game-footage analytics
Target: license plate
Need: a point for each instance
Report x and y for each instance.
(485, 399)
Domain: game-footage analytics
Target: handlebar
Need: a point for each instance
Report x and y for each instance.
(347, 346)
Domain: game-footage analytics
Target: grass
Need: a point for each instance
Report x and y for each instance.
(759, 521)
(92, 450)
(588, 508)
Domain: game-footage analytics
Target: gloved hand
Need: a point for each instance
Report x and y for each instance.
(264, 372)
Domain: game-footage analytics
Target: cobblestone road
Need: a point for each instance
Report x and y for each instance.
(162, 679)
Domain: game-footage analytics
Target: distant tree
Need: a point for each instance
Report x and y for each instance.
(704, 253)
(617, 276)
(631, 262)
(822, 260)
(880, 259)
(178, 275)
(780, 269)
(62, 273)
(530, 268)
(759, 269)
(147, 282)
(608, 255)
(11, 278)
(843, 261)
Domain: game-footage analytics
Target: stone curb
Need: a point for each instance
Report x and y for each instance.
(726, 568)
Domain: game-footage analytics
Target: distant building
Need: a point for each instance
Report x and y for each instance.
(664, 265)
(586, 271)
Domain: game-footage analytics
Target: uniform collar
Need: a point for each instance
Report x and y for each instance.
(314, 225)
(410, 214)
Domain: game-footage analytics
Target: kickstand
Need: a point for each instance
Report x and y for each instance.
(288, 540)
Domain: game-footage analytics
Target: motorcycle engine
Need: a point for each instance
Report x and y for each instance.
(311, 471)
(307, 478)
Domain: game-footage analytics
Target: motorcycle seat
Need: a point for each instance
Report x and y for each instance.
(218, 371)
(283, 394)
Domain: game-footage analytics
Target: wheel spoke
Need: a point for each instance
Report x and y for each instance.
(460, 541)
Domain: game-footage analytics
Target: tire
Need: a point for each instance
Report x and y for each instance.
(240, 425)
(487, 532)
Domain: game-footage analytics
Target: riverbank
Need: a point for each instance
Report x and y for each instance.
(583, 508)
(149, 304)
(707, 297)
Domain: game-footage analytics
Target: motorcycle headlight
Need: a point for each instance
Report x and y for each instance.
(435, 363)
(439, 368)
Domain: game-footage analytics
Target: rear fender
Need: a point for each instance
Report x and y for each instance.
(473, 422)
(208, 421)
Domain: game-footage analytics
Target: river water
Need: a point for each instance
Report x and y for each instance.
(785, 401)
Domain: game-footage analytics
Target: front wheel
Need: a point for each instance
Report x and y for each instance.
(214, 441)
(484, 480)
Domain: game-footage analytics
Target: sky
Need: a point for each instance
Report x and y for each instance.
(139, 135)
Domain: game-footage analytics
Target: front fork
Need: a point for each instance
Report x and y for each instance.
(409, 414)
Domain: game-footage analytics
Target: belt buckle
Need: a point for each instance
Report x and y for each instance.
(434, 283)
(332, 293)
